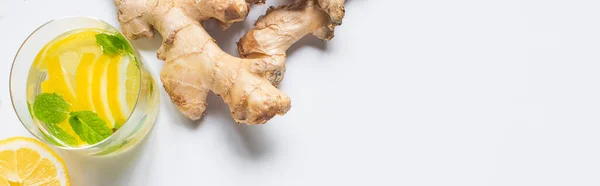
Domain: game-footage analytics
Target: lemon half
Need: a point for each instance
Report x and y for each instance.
(26, 161)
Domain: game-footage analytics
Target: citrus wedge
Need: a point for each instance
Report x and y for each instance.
(26, 161)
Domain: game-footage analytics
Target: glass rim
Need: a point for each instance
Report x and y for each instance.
(41, 138)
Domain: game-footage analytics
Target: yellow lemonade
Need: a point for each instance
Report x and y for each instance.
(86, 84)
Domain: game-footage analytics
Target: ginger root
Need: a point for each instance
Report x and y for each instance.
(282, 26)
(194, 63)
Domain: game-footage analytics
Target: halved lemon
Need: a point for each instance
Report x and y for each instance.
(26, 161)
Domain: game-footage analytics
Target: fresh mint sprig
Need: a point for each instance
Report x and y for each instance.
(113, 44)
(89, 126)
(51, 108)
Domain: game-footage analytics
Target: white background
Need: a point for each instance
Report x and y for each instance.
(409, 92)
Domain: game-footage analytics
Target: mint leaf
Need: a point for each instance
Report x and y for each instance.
(113, 44)
(89, 126)
(51, 108)
(62, 135)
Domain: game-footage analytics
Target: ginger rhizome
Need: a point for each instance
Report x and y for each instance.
(194, 63)
(282, 26)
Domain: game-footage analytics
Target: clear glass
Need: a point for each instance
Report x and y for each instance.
(137, 126)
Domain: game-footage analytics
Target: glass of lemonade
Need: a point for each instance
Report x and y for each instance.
(78, 84)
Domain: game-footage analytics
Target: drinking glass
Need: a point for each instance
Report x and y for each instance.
(23, 92)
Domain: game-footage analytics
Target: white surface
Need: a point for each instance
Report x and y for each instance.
(425, 92)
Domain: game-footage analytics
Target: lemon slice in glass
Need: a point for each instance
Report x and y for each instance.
(123, 88)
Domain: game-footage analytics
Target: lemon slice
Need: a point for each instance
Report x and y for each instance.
(69, 62)
(26, 161)
(132, 83)
(123, 88)
(83, 78)
(60, 80)
(47, 87)
(99, 88)
(83, 41)
(119, 111)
